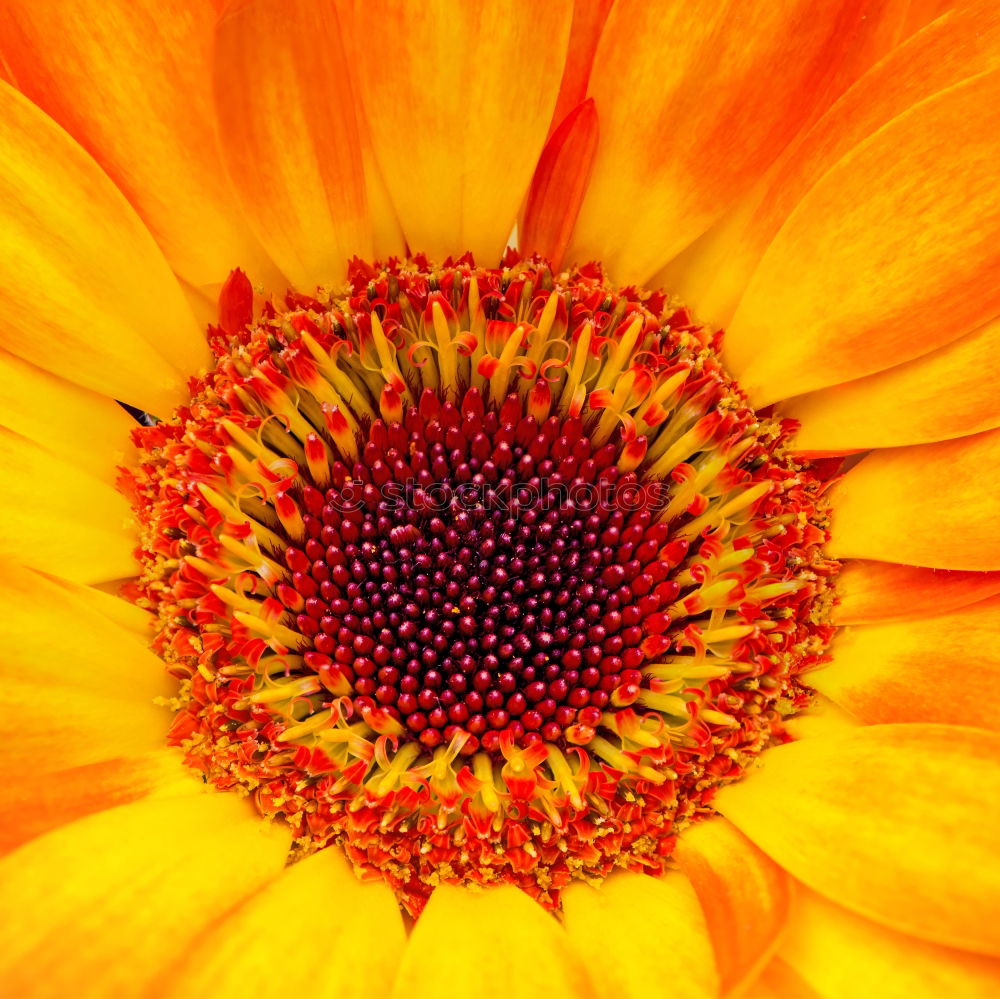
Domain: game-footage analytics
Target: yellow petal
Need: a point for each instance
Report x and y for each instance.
(929, 505)
(744, 894)
(713, 273)
(59, 519)
(88, 429)
(446, 87)
(936, 397)
(335, 931)
(843, 956)
(915, 204)
(131, 81)
(289, 135)
(107, 602)
(695, 101)
(33, 803)
(935, 669)
(875, 591)
(86, 293)
(495, 944)
(820, 719)
(641, 936)
(105, 906)
(52, 637)
(896, 822)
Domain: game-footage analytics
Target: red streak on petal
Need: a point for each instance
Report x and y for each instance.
(559, 184)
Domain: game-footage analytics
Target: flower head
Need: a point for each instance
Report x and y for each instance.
(606, 609)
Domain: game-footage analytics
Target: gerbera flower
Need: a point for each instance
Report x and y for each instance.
(398, 607)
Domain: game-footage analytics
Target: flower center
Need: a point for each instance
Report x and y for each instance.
(483, 574)
(479, 574)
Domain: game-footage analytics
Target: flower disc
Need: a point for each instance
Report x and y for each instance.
(484, 574)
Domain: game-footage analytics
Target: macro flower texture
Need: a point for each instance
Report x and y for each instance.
(500, 499)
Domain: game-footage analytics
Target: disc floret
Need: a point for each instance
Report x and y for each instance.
(482, 573)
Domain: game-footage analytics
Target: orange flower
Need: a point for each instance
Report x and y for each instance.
(601, 751)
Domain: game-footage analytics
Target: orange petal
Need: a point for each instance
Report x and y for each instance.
(86, 293)
(843, 956)
(57, 518)
(935, 669)
(289, 135)
(895, 822)
(131, 81)
(120, 895)
(922, 12)
(558, 186)
(87, 429)
(635, 933)
(875, 591)
(778, 981)
(917, 205)
(329, 956)
(744, 894)
(32, 804)
(459, 99)
(931, 398)
(696, 100)
(499, 939)
(713, 273)
(589, 17)
(930, 505)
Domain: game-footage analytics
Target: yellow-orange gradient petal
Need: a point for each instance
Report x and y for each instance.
(77, 688)
(876, 591)
(843, 956)
(935, 669)
(289, 135)
(931, 398)
(56, 727)
(558, 186)
(641, 936)
(85, 291)
(88, 429)
(931, 505)
(745, 897)
(779, 981)
(55, 638)
(106, 905)
(459, 97)
(890, 255)
(714, 272)
(499, 939)
(315, 931)
(696, 100)
(58, 518)
(131, 81)
(896, 822)
(33, 803)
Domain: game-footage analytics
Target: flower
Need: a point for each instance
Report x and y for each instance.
(819, 180)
